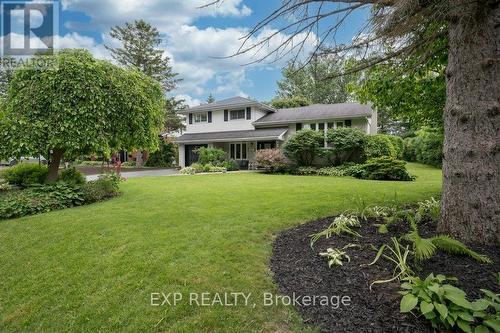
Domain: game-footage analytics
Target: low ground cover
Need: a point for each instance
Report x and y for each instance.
(94, 267)
(376, 254)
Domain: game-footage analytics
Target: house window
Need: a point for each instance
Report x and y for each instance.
(313, 126)
(340, 124)
(321, 126)
(348, 123)
(238, 151)
(331, 125)
(200, 118)
(237, 114)
(298, 127)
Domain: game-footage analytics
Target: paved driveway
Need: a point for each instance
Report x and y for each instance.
(144, 173)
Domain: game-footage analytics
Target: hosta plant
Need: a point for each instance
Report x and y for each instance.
(447, 307)
(341, 224)
(337, 257)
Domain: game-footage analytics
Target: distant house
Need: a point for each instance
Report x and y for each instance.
(241, 126)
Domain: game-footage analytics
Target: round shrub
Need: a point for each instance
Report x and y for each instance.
(230, 165)
(187, 171)
(304, 147)
(347, 145)
(426, 147)
(71, 176)
(398, 144)
(384, 168)
(210, 156)
(272, 160)
(25, 174)
(378, 146)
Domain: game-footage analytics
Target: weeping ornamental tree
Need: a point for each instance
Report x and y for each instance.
(471, 164)
(83, 106)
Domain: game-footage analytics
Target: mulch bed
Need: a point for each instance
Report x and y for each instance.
(97, 170)
(299, 270)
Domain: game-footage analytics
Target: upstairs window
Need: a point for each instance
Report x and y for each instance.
(237, 114)
(200, 118)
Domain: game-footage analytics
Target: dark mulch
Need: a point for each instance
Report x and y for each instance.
(97, 170)
(299, 270)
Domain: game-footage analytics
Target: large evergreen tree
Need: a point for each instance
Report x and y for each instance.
(140, 49)
(471, 164)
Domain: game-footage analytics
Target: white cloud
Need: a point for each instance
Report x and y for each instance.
(188, 100)
(164, 14)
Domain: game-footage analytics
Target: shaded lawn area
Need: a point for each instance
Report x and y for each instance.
(94, 268)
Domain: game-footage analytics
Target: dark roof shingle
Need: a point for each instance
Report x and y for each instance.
(265, 133)
(230, 103)
(315, 112)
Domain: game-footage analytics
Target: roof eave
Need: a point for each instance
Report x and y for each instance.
(287, 122)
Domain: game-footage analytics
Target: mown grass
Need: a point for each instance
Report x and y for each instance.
(94, 268)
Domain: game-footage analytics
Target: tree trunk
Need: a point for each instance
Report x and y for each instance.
(57, 155)
(471, 166)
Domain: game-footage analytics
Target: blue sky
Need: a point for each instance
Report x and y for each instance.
(193, 39)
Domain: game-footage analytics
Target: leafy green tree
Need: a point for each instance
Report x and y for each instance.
(408, 91)
(378, 146)
(317, 81)
(84, 106)
(140, 49)
(290, 102)
(5, 77)
(304, 146)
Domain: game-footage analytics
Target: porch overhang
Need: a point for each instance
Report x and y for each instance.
(266, 134)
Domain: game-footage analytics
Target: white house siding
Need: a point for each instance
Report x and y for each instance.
(219, 125)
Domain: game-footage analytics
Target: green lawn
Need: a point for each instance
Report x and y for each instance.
(94, 268)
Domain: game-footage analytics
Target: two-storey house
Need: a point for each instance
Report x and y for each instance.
(241, 126)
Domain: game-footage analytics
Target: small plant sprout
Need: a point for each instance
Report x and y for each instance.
(430, 208)
(399, 256)
(341, 224)
(337, 257)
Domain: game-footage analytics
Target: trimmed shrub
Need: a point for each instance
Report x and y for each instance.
(230, 165)
(272, 160)
(197, 168)
(26, 174)
(210, 156)
(384, 168)
(164, 157)
(39, 199)
(71, 176)
(426, 147)
(398, 144)
(331, 172)
(305, 171)
(304, 147)
(107, 186)
(347, 145)
(378, 146)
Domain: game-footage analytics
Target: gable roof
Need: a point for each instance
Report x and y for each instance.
(230, 103)
(261, 134)
(315, 112)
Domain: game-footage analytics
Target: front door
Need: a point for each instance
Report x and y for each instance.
(191, 155)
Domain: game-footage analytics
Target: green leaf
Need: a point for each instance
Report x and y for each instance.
(482, 329)
(493, 323)
(408, 303)
(464, 326)
(426, 307)
(459, 300)
(466, 316)
(442, 309)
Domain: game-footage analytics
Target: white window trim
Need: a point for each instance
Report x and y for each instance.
(199, 114)
(241, 150)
